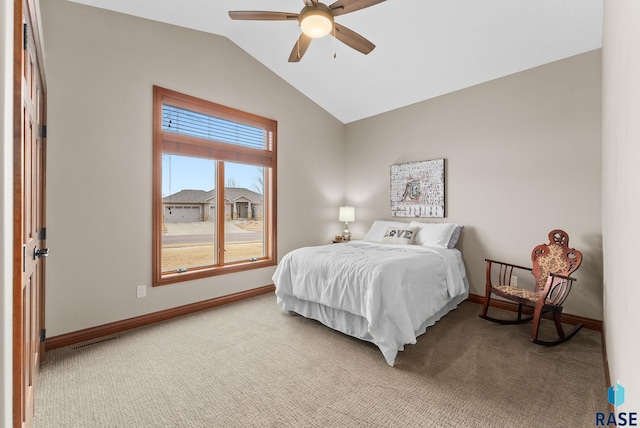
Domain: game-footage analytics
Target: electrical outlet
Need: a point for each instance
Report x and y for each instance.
(513, 281)
(141, 291)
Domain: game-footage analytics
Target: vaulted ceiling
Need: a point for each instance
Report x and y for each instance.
(424, 48)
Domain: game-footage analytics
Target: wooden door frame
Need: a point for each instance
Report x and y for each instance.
(23, 8)
(18, 58)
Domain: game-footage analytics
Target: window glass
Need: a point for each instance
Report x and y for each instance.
(244, 213)
(214, 189)
(189, 220)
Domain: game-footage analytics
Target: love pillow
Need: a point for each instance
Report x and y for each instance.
(399, 235)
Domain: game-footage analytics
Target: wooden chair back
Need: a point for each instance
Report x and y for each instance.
(554, 257)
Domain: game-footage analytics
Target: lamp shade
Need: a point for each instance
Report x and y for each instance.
(347, 214)
(316, 22)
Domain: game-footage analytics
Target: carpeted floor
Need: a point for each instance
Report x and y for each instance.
(248, 365)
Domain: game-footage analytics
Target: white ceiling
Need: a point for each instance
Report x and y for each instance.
(424, 48)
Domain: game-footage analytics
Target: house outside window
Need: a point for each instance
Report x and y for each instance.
(205, 153)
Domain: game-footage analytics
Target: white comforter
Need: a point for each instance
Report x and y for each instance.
(396, 288)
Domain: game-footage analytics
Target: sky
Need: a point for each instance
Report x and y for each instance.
(184, 172)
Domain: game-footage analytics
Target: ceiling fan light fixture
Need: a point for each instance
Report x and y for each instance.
(316, 22)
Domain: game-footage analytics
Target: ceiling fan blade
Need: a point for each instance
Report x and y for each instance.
(310, 2)
(300, 48)
(352, 39)
(346, 6)
(252, 15)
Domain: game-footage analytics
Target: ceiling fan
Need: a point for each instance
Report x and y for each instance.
(317, 20)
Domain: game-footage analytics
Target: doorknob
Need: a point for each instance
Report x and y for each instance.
(40, 252)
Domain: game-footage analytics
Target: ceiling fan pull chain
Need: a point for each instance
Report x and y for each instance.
(334, 41)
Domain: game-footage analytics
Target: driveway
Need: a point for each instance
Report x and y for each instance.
(203, 231)
(200, 228)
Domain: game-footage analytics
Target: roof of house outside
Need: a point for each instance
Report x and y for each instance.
(189, 196)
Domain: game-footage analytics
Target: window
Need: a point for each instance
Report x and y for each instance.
(214, 189)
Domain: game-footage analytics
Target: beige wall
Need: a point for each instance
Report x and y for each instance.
(621, 205)
(101, 67)
(522, 158)
(6, 209)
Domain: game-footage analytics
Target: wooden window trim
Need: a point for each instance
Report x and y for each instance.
(192, 146)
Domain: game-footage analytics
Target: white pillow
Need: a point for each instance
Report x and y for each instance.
(399, 235)
(433, 234)
(378, 229)
(455, 236)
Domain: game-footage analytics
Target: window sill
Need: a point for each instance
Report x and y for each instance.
(192, 274)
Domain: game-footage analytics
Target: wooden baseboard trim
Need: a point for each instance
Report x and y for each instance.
(589, 323)
(131, 323)
(607, 374)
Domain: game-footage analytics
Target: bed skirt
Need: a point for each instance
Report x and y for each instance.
(357, 326)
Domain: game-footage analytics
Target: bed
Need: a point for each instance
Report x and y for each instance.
(386, 289)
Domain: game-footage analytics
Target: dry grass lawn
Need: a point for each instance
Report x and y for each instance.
(200, 255)
(191, 255)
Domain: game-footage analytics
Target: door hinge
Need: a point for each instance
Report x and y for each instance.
(25, 30)
(24, 258)
(43, 132)
(43, 335)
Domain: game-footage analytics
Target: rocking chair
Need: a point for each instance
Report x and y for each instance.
(552, 263)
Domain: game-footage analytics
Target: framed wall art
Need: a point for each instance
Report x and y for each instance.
(417, 189)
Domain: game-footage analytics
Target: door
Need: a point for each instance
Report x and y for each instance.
(29, 213)
(182, 214)
(243, 209)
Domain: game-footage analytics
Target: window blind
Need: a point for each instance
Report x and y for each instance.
(186, 122)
